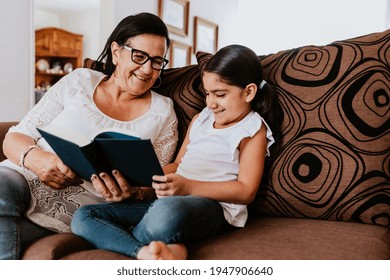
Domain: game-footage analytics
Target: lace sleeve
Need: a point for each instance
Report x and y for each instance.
(165, 145)
(42, 113)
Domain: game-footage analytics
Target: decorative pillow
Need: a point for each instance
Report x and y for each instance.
(183, 86)
(335, 156)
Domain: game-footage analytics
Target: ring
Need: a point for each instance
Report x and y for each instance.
(113, 189)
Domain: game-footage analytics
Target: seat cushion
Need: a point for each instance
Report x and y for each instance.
(278, 238)
(55, 247)
(95, 254)
(265, 238)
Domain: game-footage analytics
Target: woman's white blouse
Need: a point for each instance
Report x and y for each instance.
(69, 104)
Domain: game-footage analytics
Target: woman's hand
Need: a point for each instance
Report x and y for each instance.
(115, 188)
(171, 185)
(51, 170)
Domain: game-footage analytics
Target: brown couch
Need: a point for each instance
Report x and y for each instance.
(328, 193)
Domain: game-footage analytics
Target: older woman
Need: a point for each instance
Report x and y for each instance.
(35, 183)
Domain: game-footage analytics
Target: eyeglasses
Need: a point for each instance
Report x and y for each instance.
(140, 57)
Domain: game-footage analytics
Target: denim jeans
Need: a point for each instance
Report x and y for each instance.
(125, 227)
(16, 232)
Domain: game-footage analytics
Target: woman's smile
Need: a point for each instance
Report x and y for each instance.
(139, 77)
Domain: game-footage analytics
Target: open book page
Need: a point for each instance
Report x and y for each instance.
(81, 139)
(73, 136)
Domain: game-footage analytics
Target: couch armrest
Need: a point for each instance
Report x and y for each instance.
(55, 247)
(4, 126)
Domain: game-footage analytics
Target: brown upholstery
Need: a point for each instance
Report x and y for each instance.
(56, 246)
(4, 127)
(300, 239)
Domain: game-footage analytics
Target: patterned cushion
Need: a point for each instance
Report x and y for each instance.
(183, 86)
(335, 156)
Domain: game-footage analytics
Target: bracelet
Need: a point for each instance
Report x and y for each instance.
(143, 195)
(24, 154)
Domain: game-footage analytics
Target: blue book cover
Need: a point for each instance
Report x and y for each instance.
(135, 158)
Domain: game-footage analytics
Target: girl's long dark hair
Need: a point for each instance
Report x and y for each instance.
(138, 24)
(239, 66)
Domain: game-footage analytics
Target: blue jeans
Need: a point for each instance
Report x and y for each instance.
(16, 231)
(125, 227)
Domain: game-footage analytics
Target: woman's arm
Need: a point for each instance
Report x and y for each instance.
(166, 142)
(20, 139)
(22, 150)
(242, 191)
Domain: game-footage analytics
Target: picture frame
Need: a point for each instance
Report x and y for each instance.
(175, 14)
(179, 54)
(205, 35)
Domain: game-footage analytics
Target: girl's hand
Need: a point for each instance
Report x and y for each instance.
(171, 185)
(113, 189)
(51, 170)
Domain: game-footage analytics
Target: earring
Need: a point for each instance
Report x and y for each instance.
(159, 84)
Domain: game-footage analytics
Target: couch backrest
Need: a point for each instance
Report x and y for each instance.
(4, 126)
(335, 159)
(335, 155)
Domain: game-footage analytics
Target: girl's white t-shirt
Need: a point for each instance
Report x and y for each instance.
(212, 155)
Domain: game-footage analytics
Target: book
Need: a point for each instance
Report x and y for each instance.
(132, 156)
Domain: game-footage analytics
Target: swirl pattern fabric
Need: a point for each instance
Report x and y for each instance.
(335, 156)
(183, 86)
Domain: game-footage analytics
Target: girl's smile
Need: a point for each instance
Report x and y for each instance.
(229, 103)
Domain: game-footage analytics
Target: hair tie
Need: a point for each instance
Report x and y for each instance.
(263, 82)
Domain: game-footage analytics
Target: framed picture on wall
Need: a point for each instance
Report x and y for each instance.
(205, 35)
(179, 54)
(175, 14)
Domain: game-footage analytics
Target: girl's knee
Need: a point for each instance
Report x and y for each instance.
(84, 217)
(170, 214)
(79, 219)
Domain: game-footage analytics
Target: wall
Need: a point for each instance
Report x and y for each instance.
(204, 8)
(112, 11)
(16, 56)
(265, 25)
(44, 19)
(85, 23)
(281, 24)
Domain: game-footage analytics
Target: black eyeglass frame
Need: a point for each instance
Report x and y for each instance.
(148, 57)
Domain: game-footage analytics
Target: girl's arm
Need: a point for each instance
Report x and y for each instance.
(243, 191)
(172, 167)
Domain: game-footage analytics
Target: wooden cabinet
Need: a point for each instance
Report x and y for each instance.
(55, 49)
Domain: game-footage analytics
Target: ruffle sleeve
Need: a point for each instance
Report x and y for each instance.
(249, 127)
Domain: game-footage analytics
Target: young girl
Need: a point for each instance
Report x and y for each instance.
(217, 171)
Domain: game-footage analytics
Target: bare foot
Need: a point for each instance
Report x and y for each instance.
(158, 250)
